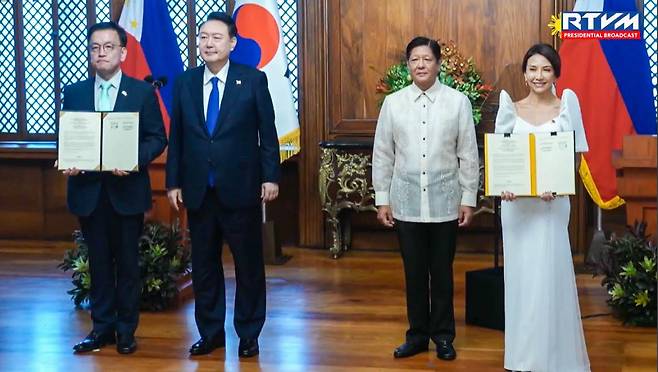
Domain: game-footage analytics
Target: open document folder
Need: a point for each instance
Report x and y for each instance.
(95, 141)
(529, 164)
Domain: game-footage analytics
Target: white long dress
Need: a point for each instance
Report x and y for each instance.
(543, 330)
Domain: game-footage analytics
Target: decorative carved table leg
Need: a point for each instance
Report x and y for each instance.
(346, 228)
(336, 234)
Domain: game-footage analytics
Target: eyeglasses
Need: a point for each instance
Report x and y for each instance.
(107, 48)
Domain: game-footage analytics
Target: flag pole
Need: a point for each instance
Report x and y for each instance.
(596, 247)
(264, 212)
(271, 247)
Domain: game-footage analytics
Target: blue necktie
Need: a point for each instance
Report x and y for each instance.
(211, 119)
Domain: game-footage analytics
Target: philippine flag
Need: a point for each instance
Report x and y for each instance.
(152, 48)
(260, 45)
(612, 79)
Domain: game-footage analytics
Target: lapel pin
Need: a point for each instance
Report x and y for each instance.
(238, 82)
(124, 93)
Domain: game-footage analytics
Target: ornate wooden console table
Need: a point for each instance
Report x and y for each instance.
(345, 183)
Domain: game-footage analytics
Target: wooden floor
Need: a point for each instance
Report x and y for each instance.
(323, 315)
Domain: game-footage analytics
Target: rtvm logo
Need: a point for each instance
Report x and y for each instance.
(596, 25)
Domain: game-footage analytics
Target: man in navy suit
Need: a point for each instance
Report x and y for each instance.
(111, 206)
(222, 163)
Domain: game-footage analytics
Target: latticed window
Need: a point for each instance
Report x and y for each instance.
(8, 89)
(288, 13)
(38, 45)
(178, 14)
(42, 49)
(102, 10)
(651, 38)
(73, 38)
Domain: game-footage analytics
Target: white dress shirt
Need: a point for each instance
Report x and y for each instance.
(115, 82)
(222, 75)
(425, 157)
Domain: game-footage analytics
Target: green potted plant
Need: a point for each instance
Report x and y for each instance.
(163, 260)
(77, 260)
(629, 266)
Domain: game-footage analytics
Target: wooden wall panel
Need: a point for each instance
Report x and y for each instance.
(282, 210)
(367, 36)
(59, 223)
(161, 210)
(21, 200)
(33, 201)
(313, 79)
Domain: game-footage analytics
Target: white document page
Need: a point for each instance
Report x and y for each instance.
(79, 141)
(120, 141)
(507, 164)
(555, 159)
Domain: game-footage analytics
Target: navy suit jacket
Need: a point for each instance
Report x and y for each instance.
(128, 194)
(243, 150)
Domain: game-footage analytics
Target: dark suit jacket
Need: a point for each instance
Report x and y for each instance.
(129, 194)
(233, 152)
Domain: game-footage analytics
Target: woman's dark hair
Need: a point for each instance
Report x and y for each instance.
(123, 38)
(224, 18)
(424, 41)
(547, 51)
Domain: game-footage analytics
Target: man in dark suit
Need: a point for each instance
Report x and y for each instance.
(222, 162)
(111, 206)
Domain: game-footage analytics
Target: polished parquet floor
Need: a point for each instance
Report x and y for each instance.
(323, 315)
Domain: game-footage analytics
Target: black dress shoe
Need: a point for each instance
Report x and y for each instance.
(126, 344)
(445, 351)
(94, 341)
(206, 345)
(248, 348)
(409, 349)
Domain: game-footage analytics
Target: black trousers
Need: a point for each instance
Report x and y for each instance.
(428, 250)
(113, 241)
(210, 225)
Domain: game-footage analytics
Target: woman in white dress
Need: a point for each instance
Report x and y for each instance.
(543, 330)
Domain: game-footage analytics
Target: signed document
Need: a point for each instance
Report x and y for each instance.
(94, 141)
(120, 141)
(555, 163)
(529, 164)
(79, 141)
(507, 164)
